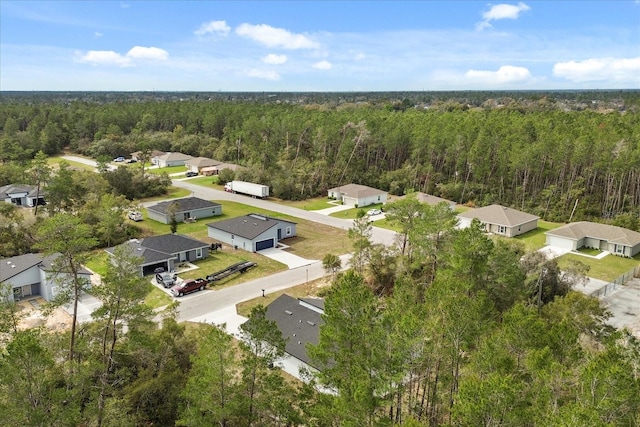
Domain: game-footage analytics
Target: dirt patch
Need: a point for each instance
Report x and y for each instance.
(31, 310)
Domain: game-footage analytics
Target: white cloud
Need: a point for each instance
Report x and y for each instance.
(140, 52)
(97, 34)
(322, 65)
(263, 74)
(104, 57)
(109, 57)
(275, 37)
(501, 11)
(505, 74)
(213, 27)
(274, 59)
(598, 69)
(360, 56)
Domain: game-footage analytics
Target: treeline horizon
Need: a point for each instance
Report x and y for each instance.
(535, 153)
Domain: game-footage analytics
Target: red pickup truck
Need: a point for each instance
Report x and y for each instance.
(188, 286)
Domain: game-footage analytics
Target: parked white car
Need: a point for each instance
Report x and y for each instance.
(135, 216)
(372, 212)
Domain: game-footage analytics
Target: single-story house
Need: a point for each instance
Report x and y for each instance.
(137, 156)
(357, 195)
(252, 232)
(165, 251)
(299, 320)
(196, 164)
(434, 200)
(170, 159)
(215, 170)
(22, 195)
(616, 240)
(500, 220)
(34, 274)
(187, 209)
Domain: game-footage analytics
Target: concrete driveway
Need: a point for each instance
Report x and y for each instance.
(333, 209)
(291, 260)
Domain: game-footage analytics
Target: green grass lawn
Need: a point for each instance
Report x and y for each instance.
(156, 298)
(314, 204)
(172, 193)
(608, 268)
(353, 212)
(220, 260)
(535, 239)
(168, 170)
(55, 162)
(97, 262)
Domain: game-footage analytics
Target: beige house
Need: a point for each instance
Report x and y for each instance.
(215, 170)
(434, 200)
(616, 240)
(356, 194)
(499, 219)
(197, 164)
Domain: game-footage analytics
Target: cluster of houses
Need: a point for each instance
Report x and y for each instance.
(31, 274)
(200, 165)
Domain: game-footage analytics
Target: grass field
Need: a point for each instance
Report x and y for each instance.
(55, 162)
(608, 268)
(535, 239)
(314, 204)
(168, 170)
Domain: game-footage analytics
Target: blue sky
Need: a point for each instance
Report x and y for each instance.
(319, 45)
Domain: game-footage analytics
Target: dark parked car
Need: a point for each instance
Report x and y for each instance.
(189, 285)
(166, 279)
(191, 173)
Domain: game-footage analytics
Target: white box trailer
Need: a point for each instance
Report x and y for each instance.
(248, 188)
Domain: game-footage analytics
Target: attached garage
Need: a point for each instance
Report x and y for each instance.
(561, 242)
(265, 244)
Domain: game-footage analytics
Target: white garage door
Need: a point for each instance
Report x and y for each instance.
(559, 242)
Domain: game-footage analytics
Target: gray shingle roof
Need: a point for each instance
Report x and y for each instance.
(10, 267)
(357, 190)
(247, 226)
(299, 325)
(499, 215)
(149, 256)
(168, 157)
(431, 199)
(184, 205)
(610, 233)
(172, 243)
(201, 162)
(31, 190)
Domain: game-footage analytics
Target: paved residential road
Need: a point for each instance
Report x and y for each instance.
(379, 235)
(200, 304)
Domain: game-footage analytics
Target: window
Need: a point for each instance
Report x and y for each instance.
(288, 231)
(619, 249)
(199, 253)
(502, 229)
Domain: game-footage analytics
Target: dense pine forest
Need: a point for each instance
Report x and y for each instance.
(540, 152)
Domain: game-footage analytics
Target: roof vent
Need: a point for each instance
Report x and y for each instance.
(299, 342)
(311, 323)
(288, 312)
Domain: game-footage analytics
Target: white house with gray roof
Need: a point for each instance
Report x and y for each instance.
(22, 195)
(165, 251)
(189, 208)
(616, 240)
(35, 274)
(170, 159)
(501, 220)
(357, 195)
(252, 232)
